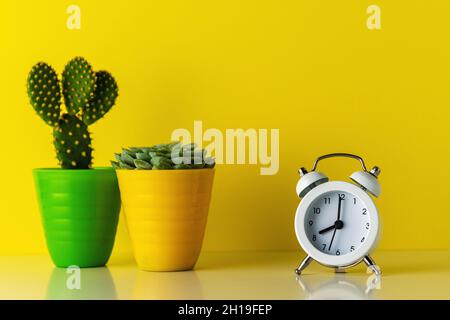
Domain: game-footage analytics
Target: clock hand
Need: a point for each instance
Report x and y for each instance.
(337, 225)
(339, 209)
(332, 238)
(327, 229)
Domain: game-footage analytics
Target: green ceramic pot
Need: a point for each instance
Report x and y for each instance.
(80, 211)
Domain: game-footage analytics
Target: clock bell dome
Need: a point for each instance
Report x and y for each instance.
(308, 181)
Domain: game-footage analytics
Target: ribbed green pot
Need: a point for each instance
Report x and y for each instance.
(80, 211)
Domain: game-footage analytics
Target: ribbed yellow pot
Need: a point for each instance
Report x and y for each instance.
(166, 213)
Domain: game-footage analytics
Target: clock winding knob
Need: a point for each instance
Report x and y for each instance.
(375, 171)
(302, 171)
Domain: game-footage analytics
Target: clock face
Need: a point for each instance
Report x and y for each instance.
(337, 222)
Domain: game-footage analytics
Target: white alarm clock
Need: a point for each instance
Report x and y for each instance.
(337, 222)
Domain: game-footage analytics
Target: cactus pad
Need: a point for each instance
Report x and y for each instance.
(44, 92)
(105, 94)
(78, 83)
(72, 143)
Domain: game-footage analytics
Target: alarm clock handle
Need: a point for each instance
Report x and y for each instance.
(346, 155)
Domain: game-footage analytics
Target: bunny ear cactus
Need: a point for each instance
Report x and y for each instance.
(44, 91)
(78, 80)
(88, 96)
(72, 142)
(105, 95)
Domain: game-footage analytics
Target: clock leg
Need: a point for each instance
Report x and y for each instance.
(372, 265)
(303, 264)
(339, 270)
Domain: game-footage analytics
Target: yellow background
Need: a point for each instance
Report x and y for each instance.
(309, 68)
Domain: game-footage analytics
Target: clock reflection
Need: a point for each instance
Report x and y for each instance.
(340, 286)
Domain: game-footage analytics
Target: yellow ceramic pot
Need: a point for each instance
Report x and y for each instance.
(166, 213)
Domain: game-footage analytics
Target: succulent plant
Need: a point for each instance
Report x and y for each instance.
(88, 96)
(167, 156)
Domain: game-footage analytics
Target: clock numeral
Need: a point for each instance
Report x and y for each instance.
(352, 248)
(354, 200)
(367, 225)
(338, 253)
(316, 210)
(310, 222)
(327, 200)
(324, 246)
(314, 237)
(342, 196)
(364, 211)
(363, 238)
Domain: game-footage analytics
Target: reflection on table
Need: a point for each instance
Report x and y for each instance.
(94, 283)
(233, 275)
(339, 286)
